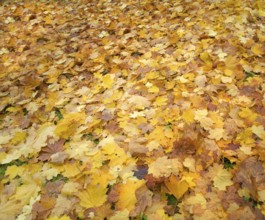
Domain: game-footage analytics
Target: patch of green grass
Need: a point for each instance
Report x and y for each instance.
(25, 111)
(59, 177)
(250, 74)
(58, 113)
(3, 168)
(169, 125)
(90, 137)
(254, 202)
(143, 217)
(228, 164)
(171, 199)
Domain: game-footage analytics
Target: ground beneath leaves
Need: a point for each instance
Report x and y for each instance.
(115, 110)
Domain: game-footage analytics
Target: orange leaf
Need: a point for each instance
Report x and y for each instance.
(177, 188)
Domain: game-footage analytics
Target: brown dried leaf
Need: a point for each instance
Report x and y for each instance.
(51, 149)
(251, 175)
(144, 200)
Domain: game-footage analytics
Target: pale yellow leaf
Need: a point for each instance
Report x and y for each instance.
(222, 179)
(70, 188)
(216, 133)
(9, 209)
(197, 199)
(164, 167)
(93, 196)
(189, 163)
(258, 49)
(226, 79)
(259, 131)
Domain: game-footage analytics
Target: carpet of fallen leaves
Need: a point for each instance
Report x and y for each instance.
(115, 110)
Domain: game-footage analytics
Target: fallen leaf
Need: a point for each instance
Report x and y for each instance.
(93, 196)
(164, 167)
(222, 178)
(258, 49)
(127, 197)
(177, 188)
(69, 124)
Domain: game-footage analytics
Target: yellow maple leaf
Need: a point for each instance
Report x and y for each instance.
(161, 101)
(127, 198)
(13, 171)
(222, 179)
(53, 97)
(170, 85)
(107, 81)
(102, 177)
(258, 49)
(9, 209)
(48, 19)
(226, 79)
(247, 150)
(72, 169)
(189, 163)
(188, 116)
(93, 196)
(228, 72)
(137, 114)
(197, 199)
(49, 172)
(117, 158)
(36, 140)
(152, 88)
(216, 133)
(164, 166)
(68, 90)
(153, 145)
(245, 137)
(200, 113)
(206, 58)
(114, 153)
(190, 178)
(247, 114)
(19, 137)
(25, 192)
(138, 102)
(152, 75)
(69, 124)
(259, 131)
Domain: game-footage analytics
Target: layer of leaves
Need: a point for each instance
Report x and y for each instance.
(132, 109)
